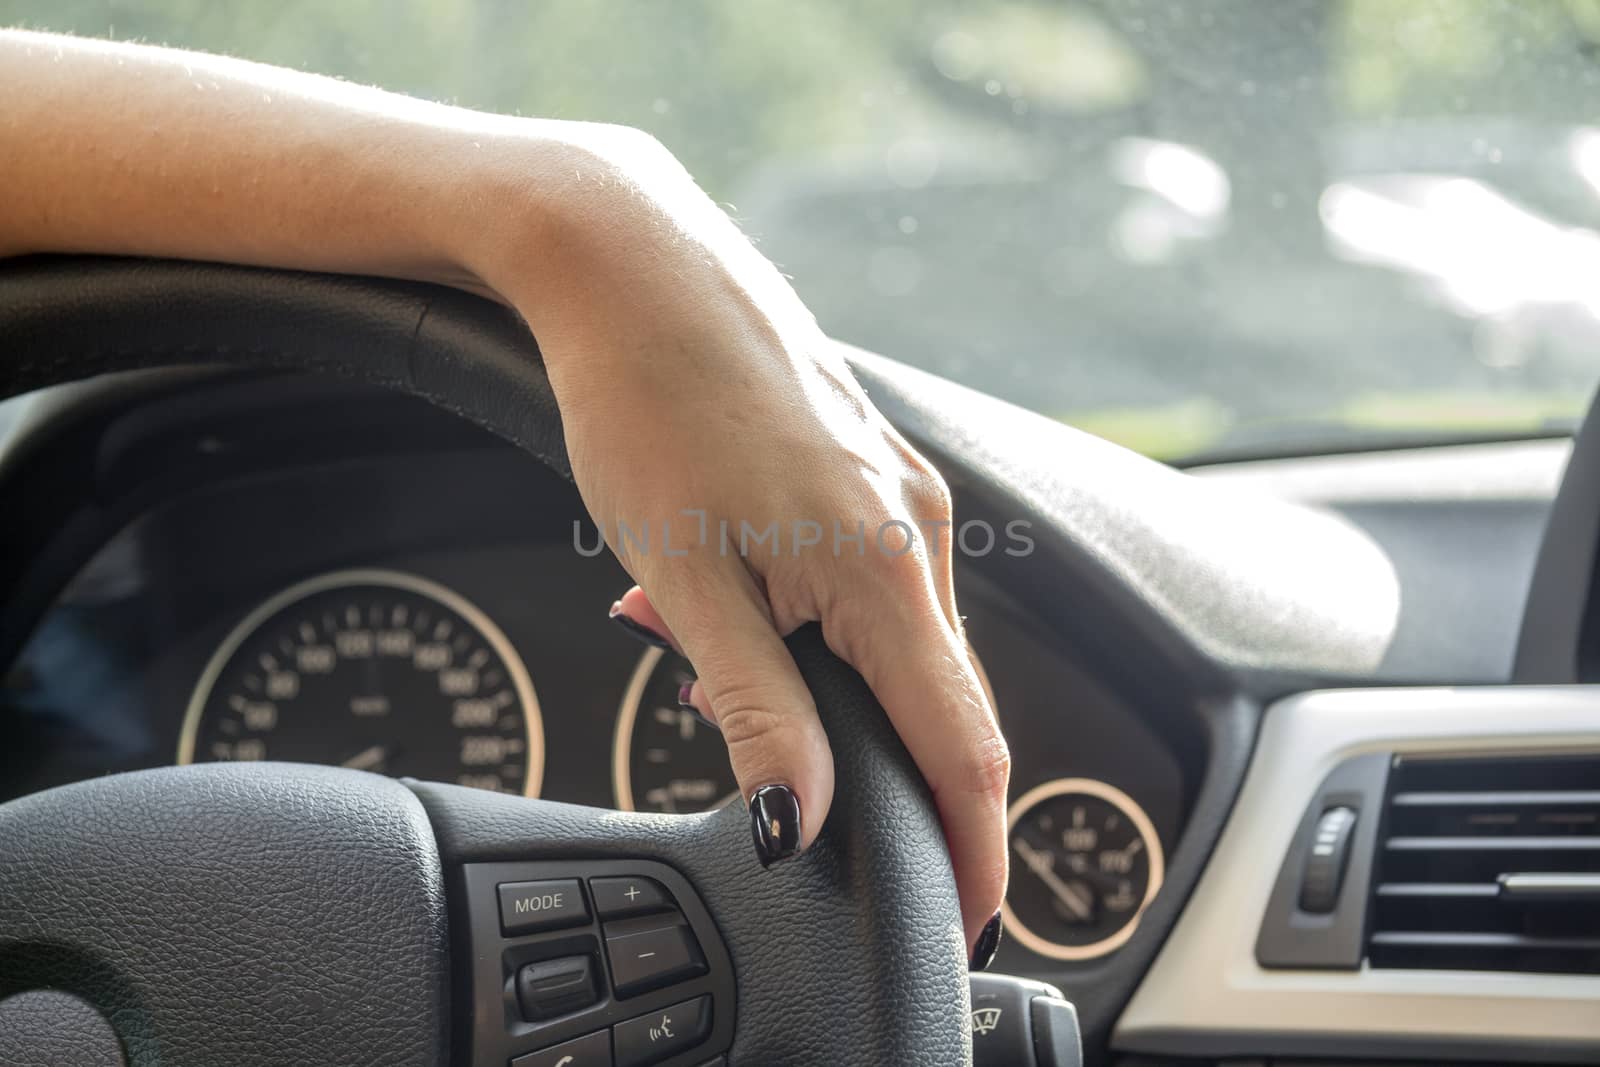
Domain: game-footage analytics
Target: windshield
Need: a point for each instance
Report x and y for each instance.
(1203, 227)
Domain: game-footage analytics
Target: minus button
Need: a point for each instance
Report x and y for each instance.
(648, 959)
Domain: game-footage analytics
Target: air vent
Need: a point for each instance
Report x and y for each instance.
(1489, 865)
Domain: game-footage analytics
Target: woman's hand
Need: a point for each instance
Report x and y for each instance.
(690, 377)
(747, 484)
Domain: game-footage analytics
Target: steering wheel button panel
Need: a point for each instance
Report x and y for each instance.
(652, 1038)
(648, 957)
(592, 1050)
(535, 992)
(529, 906)
(618, 898)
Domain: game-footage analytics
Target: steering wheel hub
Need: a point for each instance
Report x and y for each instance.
(240, 914)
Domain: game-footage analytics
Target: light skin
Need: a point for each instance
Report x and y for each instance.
(688, 373)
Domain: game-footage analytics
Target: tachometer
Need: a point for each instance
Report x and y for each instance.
(664, 758)
(374, 670)
(1086, 862)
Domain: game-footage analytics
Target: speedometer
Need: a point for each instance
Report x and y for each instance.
(374, 670)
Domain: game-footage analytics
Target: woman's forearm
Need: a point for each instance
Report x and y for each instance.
(123, 149)
(133, 150)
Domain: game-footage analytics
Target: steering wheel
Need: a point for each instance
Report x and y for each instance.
(275, 913)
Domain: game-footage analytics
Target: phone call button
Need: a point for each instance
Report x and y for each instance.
(591, 1050)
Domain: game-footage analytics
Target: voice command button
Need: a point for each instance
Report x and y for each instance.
(652, 1038)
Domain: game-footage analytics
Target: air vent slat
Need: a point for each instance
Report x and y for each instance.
(1438, 889)
(1534, 797)
(1493, 844)
(1476, 940)
(1489, 864)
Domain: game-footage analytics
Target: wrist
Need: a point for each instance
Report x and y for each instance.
(556, 193)
(608, 248)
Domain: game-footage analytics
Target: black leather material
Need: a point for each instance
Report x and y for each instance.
(66, 318)
(49, 1028)
(232, 914)
(850, 954)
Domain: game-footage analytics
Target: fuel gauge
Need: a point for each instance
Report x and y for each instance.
(1086, 862)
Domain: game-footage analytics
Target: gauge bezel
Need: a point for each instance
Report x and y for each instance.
(622, 736)
(1135, 814)
(245, 628)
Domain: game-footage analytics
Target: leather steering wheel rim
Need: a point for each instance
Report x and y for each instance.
(142, 893)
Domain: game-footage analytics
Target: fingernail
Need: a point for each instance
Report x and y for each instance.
(638, 630)
(775, 823)
(686, 703)
(988, 944)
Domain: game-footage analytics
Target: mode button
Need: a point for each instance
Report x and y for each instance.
(529, 906)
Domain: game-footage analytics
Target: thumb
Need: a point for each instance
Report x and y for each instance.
(750, 687)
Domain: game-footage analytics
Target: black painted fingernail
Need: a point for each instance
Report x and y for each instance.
(988, 944)
(638, 629)
(686, 703)
(775, 823)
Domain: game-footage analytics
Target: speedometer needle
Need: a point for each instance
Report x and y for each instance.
(1039, 863)
(367, 758)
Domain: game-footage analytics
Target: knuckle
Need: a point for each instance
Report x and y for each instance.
(905, 575)
(748, 716)
(987, 770)
(922, 486)
(898, 552)
(847, 627)
(792, 595)
(928, 494)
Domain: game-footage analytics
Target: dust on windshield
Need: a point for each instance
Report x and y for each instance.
(1197, 227)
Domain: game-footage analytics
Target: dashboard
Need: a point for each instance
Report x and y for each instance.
(1212, 682)
(333, 574)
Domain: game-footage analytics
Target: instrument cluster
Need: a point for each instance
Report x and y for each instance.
(392, 672)
(406, 617)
